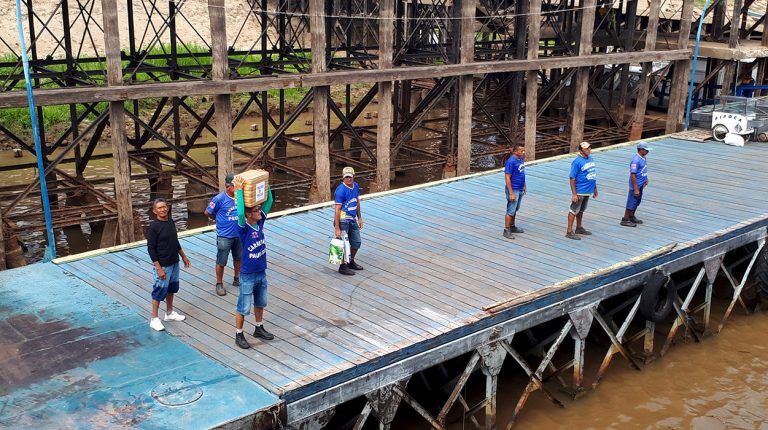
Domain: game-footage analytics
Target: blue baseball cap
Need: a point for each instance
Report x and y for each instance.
(643, 145)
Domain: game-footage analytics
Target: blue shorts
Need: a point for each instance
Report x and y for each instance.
(253, 292)
(353, 232)
(513, 206)
(223, 247)
(632, 201)
(169, 285)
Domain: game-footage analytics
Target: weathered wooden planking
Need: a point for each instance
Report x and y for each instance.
(422, 287)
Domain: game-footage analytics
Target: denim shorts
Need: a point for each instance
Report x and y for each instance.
(169, 285)
(580, 205)
(353, 232)
(226, 244)
(632, 201)
(513, 207)
(253, 292)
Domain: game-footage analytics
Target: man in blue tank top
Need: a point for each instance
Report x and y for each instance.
(348, 217)
(638, 180)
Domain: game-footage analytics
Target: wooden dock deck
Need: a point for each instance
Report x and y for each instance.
(434, 257)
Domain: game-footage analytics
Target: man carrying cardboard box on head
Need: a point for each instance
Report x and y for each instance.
(348, 217)
(253, 287)
(223, 209)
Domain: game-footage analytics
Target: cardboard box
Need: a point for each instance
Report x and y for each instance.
(255, 187)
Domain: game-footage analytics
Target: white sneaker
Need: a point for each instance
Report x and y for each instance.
(156, 324)
(174, 316)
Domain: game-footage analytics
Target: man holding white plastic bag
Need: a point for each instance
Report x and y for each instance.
(348, 218)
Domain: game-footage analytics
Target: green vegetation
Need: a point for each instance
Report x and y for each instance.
(192, 58)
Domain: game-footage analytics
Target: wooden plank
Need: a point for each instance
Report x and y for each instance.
(121, 163)
(384, 122)
(222, 102)
(2, 243)
(652, 30)
(464, 87)
(289, 306)
(729, 76)
(586, 28)
(45, 97)
(682, 72)
(532, 81)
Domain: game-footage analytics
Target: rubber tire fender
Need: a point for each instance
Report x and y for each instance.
(760, 272)
(658, 297)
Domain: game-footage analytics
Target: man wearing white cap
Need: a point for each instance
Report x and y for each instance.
(638, 179)
(348, 217)
(583, 179)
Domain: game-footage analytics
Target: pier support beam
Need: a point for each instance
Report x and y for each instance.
(582, 322)
(532, 81)
(384, 124)
(122, 164)
(586, 28)
(320, 190)
(222, 102)
(738, 288)
(464, 88)
(317, 421)
(493, 355)
(682, 74)
(645, 77)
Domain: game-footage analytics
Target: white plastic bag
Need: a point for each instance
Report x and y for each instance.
(336, 251)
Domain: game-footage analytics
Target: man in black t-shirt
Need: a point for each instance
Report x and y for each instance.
(164, 251)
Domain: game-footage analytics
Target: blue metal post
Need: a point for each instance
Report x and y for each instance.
(695, 62)
(50, 250)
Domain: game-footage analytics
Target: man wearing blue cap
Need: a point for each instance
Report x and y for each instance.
(638, 179)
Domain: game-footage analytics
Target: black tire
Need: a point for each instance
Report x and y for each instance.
(719, 131)
(658, 297)
(760, 273)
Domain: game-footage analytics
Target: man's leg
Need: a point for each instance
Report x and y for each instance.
(169, 303)
(244, 303)
(579, 216)
(569, 228)
(259, 303)
(508, 221)
(155, 308)
(219, 274)
(237, 264)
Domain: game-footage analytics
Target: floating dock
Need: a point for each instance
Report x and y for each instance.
(440, 281)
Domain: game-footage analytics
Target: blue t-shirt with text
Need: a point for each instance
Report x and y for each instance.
(225, 210)
(638, 166)
(516, 169)
(254, 246)
(347, 198)
(583, 171)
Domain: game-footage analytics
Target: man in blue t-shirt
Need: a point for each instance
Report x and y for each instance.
(253, 273)
(348, 217)
(515, 188)
(583, 179)
(223, 209)
(638, 179)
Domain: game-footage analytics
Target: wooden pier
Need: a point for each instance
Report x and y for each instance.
(441, 281)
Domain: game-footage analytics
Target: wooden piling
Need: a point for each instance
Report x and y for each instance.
(645, 79)
(122, 164)
(2, 243)
(586, 28)
(464, 88)
(532, 82)
(321, 182)
(682, 75)
(384, 123)
(222, 102)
